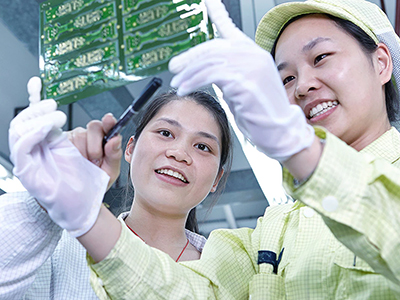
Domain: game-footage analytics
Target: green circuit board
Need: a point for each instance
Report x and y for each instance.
(91, 46)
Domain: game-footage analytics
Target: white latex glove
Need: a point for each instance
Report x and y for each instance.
(66, 184)
(251, 85)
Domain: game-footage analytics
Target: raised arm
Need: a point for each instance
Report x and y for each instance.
(28, 234)
(358, 197)
(253, 90)
(53, 170)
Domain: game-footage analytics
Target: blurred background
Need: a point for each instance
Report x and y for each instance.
(255, 180)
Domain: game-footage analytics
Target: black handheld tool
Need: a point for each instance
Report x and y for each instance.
(134, 108)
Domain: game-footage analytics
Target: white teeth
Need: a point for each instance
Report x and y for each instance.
(172, 174)
(313, 112)
(322, 108)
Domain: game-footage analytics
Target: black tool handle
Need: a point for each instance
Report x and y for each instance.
(134, 108)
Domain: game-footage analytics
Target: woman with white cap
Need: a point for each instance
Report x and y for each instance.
(340, 153)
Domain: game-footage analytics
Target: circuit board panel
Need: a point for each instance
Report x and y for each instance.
(91, 46)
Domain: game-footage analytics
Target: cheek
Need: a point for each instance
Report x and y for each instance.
(292, 100)
(344, 78)
(290, 92)
(350, 88)
(351, 78)
(291, 97)
(134, 171)
(139, 162)
(211, 173)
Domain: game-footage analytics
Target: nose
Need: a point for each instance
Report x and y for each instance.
(306, 83)
(179, 154)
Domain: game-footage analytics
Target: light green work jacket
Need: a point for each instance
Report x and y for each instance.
(352, 199)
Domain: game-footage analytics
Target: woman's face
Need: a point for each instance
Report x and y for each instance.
(175, 161)
(337, 85)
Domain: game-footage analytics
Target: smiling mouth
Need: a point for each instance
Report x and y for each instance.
(174, 174)
(322, 108)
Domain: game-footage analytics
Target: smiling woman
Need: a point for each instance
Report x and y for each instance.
(178, 155)
(176, 160)
(333, 62)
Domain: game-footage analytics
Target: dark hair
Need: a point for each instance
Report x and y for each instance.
(212, 105)
(369, 46)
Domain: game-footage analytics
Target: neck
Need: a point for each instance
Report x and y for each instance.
(372, 135)
(166, 233)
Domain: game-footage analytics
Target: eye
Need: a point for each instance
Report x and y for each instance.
(203, 147)
(165, 133)
(319, 58)
(287, 79)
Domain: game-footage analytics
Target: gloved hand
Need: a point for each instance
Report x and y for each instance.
(89, 142)
(51, 168)
(251, 85)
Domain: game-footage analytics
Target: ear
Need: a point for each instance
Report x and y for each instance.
(129, 149)
(217, 179)
(385, 63)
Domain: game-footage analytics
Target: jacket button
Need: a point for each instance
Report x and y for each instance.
(330, 203)
(308, 212)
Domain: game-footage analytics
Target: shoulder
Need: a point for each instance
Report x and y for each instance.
(21, 207)
(275, 215)
(15, 196)
(22, 202)
(280, 209)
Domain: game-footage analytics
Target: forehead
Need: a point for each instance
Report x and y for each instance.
(190, 115)
(309, 28)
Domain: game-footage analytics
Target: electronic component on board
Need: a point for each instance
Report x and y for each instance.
(91, 46)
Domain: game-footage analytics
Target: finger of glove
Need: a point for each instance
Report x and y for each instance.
(204, 50)
(56, 118)
(39, 109)
(205, 75)
(54, 135)
(34, 87)
(195, 74)
(220, 17)
(21, 150)
(95, 135)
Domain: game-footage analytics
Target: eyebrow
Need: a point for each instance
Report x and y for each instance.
(201, 133)
(310, 45)
(282, 66)
(313, 43)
